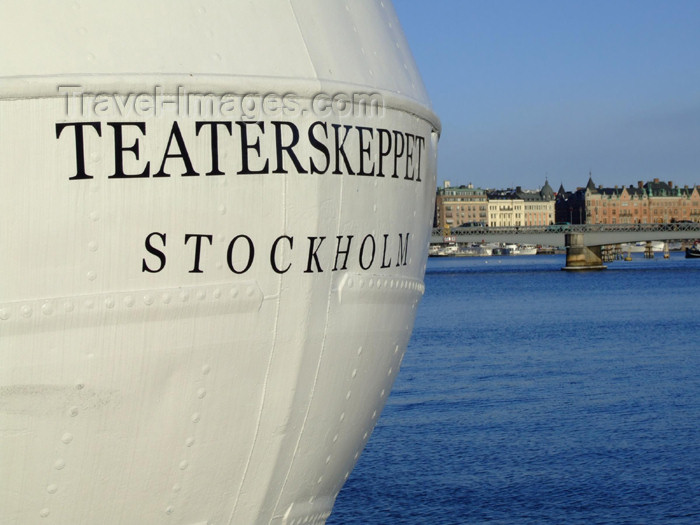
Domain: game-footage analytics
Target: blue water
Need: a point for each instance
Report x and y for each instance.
(529, 395)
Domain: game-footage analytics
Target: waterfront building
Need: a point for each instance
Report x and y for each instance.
(506, 211)
(538, 209)
(520, 207)
(653, 202)
(469, 206)
(644, 203)
(455, 206)
(569, 206)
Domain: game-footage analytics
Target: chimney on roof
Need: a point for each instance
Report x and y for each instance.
(670, 184)
(640, 184)
(656, 180)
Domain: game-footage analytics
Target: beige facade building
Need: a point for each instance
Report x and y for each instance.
(469, 206)
(455, 206)
(506, 212)
(522, 207)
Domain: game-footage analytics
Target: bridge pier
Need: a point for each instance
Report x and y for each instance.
(581, 257)
(648, 250)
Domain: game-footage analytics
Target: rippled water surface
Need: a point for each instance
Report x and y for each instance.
(529, 395)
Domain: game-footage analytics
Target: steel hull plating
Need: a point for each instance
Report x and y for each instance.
(201, 315)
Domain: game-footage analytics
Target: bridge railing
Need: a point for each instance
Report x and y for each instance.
(690, 227)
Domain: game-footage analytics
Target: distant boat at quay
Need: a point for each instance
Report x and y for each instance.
(640, 247)
(485, 250)
(693, 252)
(494, 249)
(475, 250)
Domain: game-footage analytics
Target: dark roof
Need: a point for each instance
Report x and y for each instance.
(547, 193)
(590, 186)
(657, 188)
(544, 194)
(654, 188)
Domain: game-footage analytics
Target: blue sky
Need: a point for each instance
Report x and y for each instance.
(528, 89)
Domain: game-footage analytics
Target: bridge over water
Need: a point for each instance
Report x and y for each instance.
(583, 242)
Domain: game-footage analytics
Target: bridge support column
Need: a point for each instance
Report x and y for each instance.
(648, 250)
(580, 257)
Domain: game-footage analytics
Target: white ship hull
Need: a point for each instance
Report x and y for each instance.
(202, 316)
